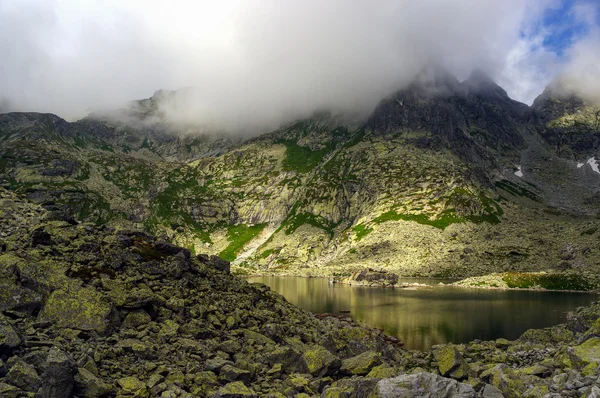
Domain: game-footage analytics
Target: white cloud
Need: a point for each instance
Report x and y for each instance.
(257, 62)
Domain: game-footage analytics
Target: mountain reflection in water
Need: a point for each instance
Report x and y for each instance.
(426, 316)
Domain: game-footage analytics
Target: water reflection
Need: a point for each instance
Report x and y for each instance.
(428, 316)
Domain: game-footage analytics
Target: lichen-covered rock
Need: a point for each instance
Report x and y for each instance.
(320, 362)
(424, 385)
(451, 363)
(24, 376)
(504, 378)
(83, 309)
(360, 365)
(136, 318)
(236, 389)
(9, 339)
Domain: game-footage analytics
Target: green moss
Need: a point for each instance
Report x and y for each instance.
(551, 281)
(268, 252)
(302, 159)
(447, 218)
(238, 236)
(361, 231)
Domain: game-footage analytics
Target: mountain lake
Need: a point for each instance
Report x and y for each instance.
(425, 316)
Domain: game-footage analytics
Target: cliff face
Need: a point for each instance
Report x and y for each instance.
(444, 178)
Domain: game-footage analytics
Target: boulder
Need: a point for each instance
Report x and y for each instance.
(58, 376)
(505, 379)
(422, 384)
(83, 309)
(9, 339)
(89, 386)
(236, 389)
(232, 373)
(450, 362)
(24, 376)
(361, 364)
(320, 362)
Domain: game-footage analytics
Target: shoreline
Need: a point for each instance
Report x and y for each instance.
(417, 285)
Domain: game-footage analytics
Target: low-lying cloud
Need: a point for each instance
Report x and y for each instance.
(256, 64)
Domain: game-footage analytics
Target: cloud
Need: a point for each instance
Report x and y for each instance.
(258, 63)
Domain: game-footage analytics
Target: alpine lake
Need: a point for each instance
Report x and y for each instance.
(434, 314)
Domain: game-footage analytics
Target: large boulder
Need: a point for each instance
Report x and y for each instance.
(422, 384)
(360, 364)
(83, 309)
(320, 362)
(450, 362)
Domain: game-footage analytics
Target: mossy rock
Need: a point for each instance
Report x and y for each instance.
(236, 389)
(320, 362)
(361, 364)
(451, 363)
(83, 309)
(24, 376)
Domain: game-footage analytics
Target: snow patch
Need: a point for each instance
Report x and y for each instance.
(593, 164)
(519, 173)
(580, 165)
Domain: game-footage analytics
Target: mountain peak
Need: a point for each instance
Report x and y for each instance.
(481, 82)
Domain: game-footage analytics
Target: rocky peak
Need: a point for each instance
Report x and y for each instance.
(480, 82)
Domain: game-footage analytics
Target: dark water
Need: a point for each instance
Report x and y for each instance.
(428, 316)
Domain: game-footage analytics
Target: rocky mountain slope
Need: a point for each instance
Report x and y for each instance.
(445, 178)
(89, 311)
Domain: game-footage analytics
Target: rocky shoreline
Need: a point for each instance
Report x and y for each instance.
(88, 311)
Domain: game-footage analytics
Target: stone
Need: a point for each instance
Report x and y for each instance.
(360, 364)
(219, 264)
(58, 376)
(14, 297)
(589, 351)
(450, 362)
(136, 318)
(231, 373)
(9, 339)
(236, 389)
(504, 378)
(489, 391)
(83, 309)
(382, 372)
(131, 384)
(592, 392)
(24, 376)
(89, 386)
(216, 364)
(422, 384)
(320, 362)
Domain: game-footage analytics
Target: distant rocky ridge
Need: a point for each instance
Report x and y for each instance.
(445, 178)
(91, 312)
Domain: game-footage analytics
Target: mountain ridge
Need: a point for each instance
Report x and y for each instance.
(324, 197)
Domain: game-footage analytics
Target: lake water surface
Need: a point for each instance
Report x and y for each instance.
(428, 316)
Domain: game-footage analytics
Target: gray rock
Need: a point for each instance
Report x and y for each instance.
(424, 385)
(231, 373)
(489, 391)
(89, 386)
(58, 377)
